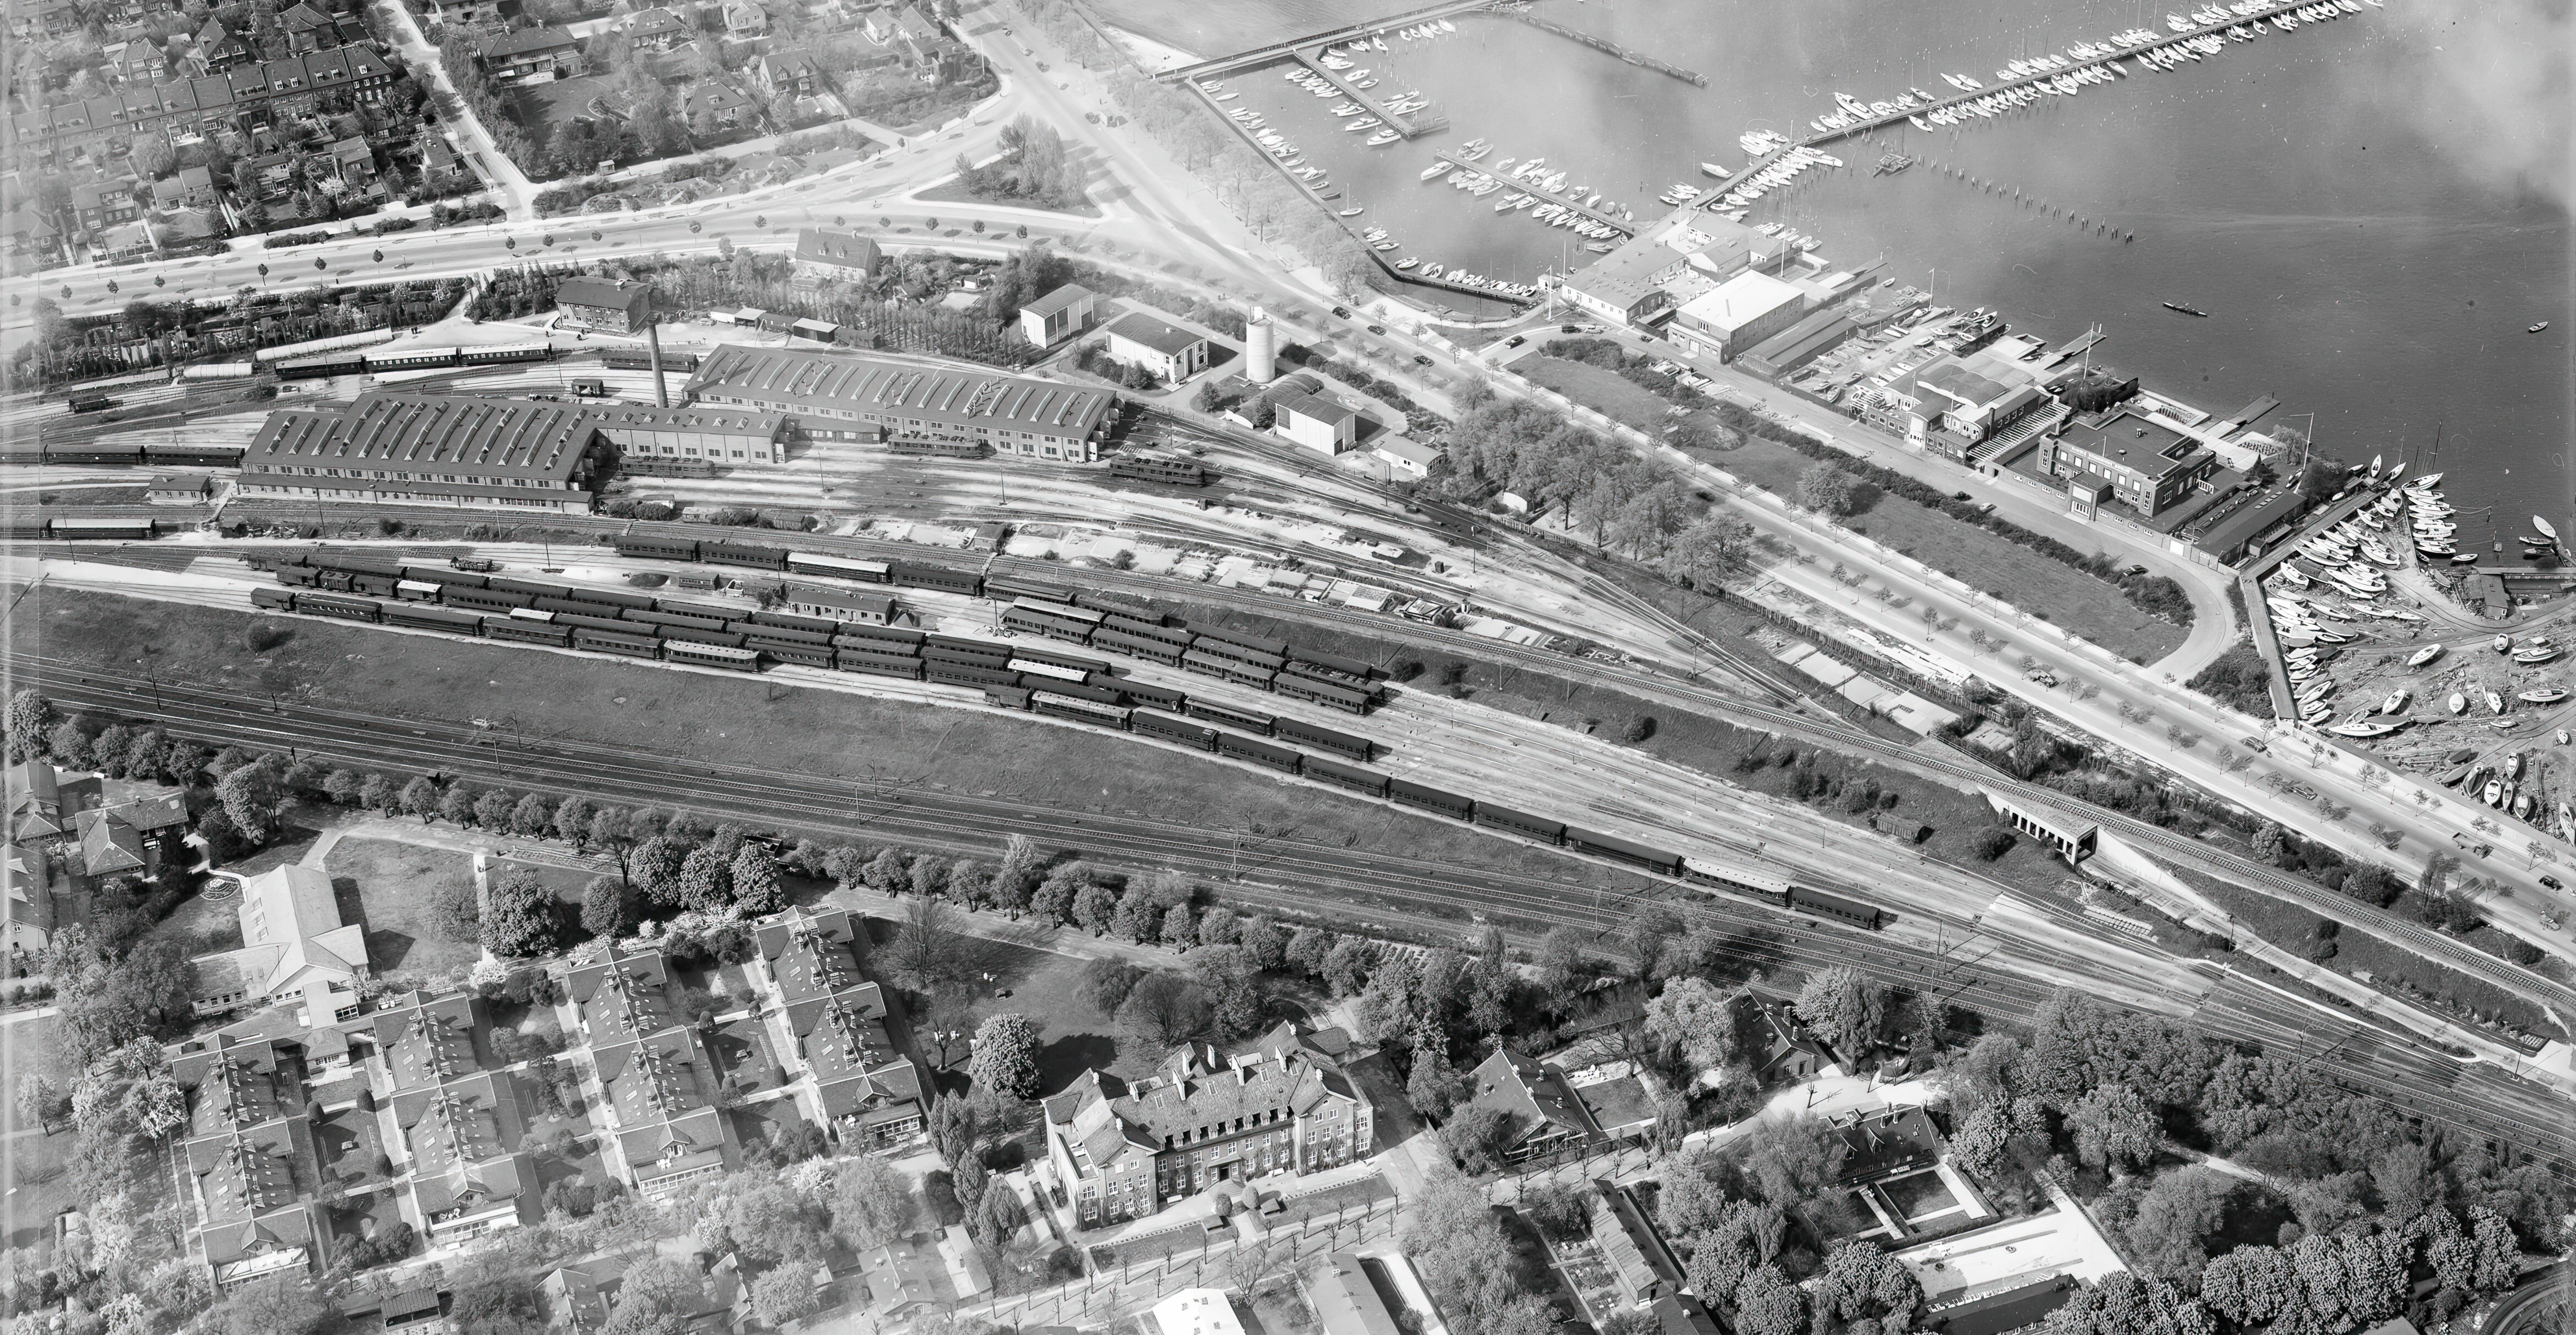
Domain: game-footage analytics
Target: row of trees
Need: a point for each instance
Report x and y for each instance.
(1034, 168)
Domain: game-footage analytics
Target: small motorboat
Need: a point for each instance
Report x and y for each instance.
(2513, 766)
(2395, 702)
(2535, 656)
(2504, 644)
(2495, 702)
(2493, 793)
(2537, 328)
(2524, 805)
(2459, 703)
(2424, 655)
(2563, 739)
(2364, 728)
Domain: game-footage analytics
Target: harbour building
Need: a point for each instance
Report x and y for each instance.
(2143, 466)
(1640, 284)
(1737, 314)
(1955, 404)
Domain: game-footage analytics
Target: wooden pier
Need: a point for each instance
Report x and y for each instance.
(2219, 30)
(1263, 55)
(1624, 226)
(1402, 123)
(1608, 47)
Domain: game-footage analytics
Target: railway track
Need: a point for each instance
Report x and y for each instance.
(1281, 873)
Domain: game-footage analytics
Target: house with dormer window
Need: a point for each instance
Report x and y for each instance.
(846, 1070)
(247, 1157)
(657, 1093)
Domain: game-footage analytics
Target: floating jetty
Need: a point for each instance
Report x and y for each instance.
(1607, 47)
(1403, 124)
(1610, 220)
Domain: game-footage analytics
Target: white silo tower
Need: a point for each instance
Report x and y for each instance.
(1260, 348)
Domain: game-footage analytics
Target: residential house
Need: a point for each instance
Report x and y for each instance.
(100, 205)
(1313, 421)
(246, 96)
(247, 1157)
(577, 1298)
(622, 995)
(1888, 1143)
(1168, 351)
(745, 19)
(464, 1174)
(307, 28)
(1540, 1109)
(37, 815)
(657, 1097)
(711, 107)
(656, 29)
(30, 924)
(354, 162)
(141, 61)
(217, 50)
(791, 74)
(848, 1074)
(530, 55)
(1776, 1042)
(618, 306)
(462, 13)
(192, 187)
(295, 949)
(1059, 314)
(1682, 1314)
(1282, 1105)
(822, 253)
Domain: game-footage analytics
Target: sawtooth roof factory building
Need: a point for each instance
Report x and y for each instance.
(431, 449)
(846, 396)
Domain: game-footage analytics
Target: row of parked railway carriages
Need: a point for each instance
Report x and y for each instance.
(360, 362)
(1043, 681)
(163, 455)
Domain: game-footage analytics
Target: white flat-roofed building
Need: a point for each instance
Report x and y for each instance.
(862, 396)
(1738, 313)
(1164, 348)
(1197, 1312)
(1314, 421)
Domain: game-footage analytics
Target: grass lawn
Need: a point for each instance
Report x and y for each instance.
(955, 193)
(1073, 1036)
(685, 716)
(1606, 390)
(2075, 602)
(394, 884)
(32, 1187)
(2390, 968)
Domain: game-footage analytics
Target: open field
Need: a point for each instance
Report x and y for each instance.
(2074, 601)
(394, 883)
(534, 697)
(33, 1188)
(1603, 389)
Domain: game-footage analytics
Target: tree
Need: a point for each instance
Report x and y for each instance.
(107, 1000)
(756, 887)
(31, 715)
(1165, 1010)
(1695, 1018)
(571, 821)
(888, 872)
(1826, 489)
(1346, 968)
(531, 817)
(2250, 1286)
(706, 881)
(1478, 1136)
(2175, 1220)
(1709, 551)
(1793, 1160)
(1843, 1007)
(1003, 1215)
(1105, 983)
(871, 1203)
(284, 1305)
(456, 805)
(658, 862)
(251, 797)
(420, 798)
(1308, 949)
(519, 915)
(36, 1096)
(1860, 1282)
(926, 951)
(847, 866)
(1433, 1087)
(1006, 1056)
(492, 809)
(781, 1296)
(2114, 1127)
(1018, 874)
(1978, 1140)
(1180, 928)
(68, 743)
(605, 909)
(1562, 966)
(1768, 1303)
(1094, 907)
(454, 906)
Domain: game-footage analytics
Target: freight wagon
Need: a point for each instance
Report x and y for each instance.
(1150, 468)
(838, 567)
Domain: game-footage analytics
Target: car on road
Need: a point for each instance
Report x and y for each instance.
(1421, 360)
(1569, 329)
(1377, 329)
(1514, 341)
(2253, 743)
(2137, 570)
(1342, 312)
(1961, 496)
(2552, 883)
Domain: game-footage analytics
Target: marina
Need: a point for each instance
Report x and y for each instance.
(1405, 125)
(1625, 226)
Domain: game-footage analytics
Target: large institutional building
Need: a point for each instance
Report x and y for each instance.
(1283, 1105)
(851, 396)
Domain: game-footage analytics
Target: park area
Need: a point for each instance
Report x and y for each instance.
(396, 887)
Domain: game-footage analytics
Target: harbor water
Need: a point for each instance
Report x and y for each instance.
(2371, 210)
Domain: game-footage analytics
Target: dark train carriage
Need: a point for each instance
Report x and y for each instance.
(1098, 695)
(657, 548)
(553, 604)
(1520, 822)
(193, 456)
(606, 625)
(1012, 586)
(1056, 704)
(1346, 776)
(1256, 659)
(1137, 646)
(1029, 622)
(530, 587)
(883, 639)
(641, 359)
(838, 567)
(947, 449)
(102, 530)
(491, 354)
(612, 642)
(264, 596)
(883, 665)
(1430, 799)
(1250, 648)
(1160, 697)
(1007, 697)
(1226, 669)
(433, 618)
(1336, 664)
(1178, 637)
(642, 617)
(730, 657)
(811, 655)
(332, 605)
(938, 578)
(1287, 760)
(445, 577)
(951, 673)
(1804, 900)
(702, 611)
(958, 646)
(409, 361)
(760, 634)
(824, 626)
(743, 554)
(1325, 739)
(1151, 468)
(1333, 693)
(609, 598)
(487, 600)
(1637, 855)
(526, 631)
(298, 575)
(1232, 718)
(315, 368)
(1171, 730)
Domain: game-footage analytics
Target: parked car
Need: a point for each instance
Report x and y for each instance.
(2551, 882)
(1342, 311)
(1514, 341)
(1569, 329)
(1961, 496)
(1418, 357)
(1377, 329)
(2253, 743)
